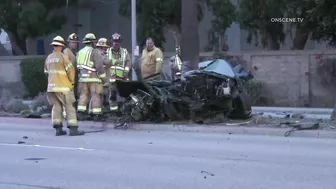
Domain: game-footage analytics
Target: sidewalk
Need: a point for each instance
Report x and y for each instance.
(225, 129)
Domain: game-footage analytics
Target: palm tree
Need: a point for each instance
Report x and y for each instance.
(189, 35)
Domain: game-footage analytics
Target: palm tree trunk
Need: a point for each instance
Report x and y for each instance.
(189, 35)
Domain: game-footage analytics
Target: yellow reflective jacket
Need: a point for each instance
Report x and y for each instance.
(121, 63)
(71, 55)
(151, 62)
(61, 73)
(90, 64)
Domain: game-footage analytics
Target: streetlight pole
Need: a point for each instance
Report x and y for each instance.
(135, 48)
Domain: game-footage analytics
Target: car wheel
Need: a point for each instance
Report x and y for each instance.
(242, 108)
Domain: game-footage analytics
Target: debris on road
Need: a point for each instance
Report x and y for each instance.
(207, 173)
(300, 128)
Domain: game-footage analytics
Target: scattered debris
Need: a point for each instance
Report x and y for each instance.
(300, 128)
(25, 137)
(297, 116)
(207, 173)
(35, 159)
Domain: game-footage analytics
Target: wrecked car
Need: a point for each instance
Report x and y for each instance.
(215, 89)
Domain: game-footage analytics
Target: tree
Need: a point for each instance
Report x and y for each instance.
(23, 19)
(300, 9)
(225, 14)
(323, 16)
(189, 36)
(255, 17)
(155, 16)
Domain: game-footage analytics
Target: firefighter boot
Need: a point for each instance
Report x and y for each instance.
(59, 130)
(75, 132)
(81, 116)
(99, 117)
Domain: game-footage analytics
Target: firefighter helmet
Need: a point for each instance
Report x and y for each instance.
(73, 38)
(90, 37)
(58, 41)
(116, 37)
(102, 42)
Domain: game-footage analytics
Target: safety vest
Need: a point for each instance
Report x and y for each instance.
(84, 59)
(118, 69)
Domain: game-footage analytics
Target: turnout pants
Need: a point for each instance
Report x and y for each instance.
(113, 97)
(93, 90)
(62, 102)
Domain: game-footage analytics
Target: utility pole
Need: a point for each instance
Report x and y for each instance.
(135, 48)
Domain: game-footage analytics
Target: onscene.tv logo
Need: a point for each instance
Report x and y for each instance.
(289, 20)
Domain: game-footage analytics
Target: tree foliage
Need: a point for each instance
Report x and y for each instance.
(323, 17)
(255, 17)
(154, 16)
(319, 21)
(225, 13)
(29, 18)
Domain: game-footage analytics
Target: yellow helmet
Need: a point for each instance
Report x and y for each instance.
(90, 37)
(58, 41)
(73, 38)
(102, 42)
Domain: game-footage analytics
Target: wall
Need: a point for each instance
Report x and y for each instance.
(290, 75)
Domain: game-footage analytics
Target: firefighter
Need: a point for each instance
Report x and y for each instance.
(91, 76)
(71, 52)
(151, 60)
(102, 46)
(61, 79)
(176, 64)
(121, 64)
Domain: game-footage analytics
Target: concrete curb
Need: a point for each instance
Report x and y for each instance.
(237, 130)
(257, 109)
(292, 110)
(225, 129)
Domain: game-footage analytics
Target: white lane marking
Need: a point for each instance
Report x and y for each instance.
(41, 146)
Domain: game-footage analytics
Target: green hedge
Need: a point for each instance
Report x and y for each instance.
(32, 75)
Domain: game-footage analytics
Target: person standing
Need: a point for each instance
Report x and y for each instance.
(71, 52)
(92, 76)
(151, 61)
(121, 65)
(61, 80)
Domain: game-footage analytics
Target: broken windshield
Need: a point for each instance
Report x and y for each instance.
(218, 66)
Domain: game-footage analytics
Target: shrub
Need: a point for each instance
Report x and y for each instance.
(32, 75)
(255, 90)
(16, 106)
(40, 104)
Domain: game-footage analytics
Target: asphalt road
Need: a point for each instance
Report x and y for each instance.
(157, 160)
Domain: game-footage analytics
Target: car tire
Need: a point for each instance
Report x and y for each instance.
(242, 107)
